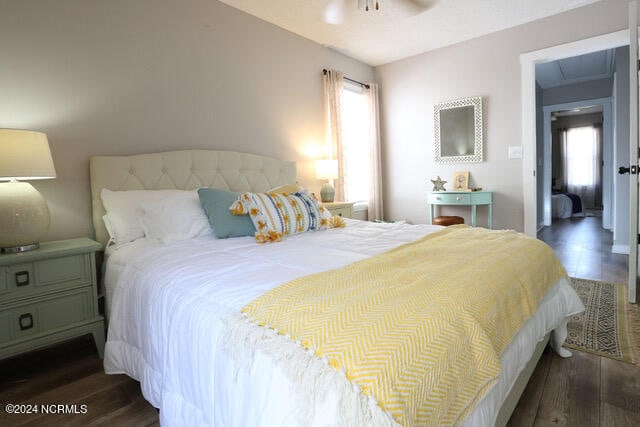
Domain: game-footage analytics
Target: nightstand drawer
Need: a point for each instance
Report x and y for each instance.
(343, 212)
(450, 198)
(343, 209)
(22, 321)
(19, 276)
(45, 275)
(67, 270)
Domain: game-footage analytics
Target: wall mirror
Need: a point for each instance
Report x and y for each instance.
(458, 131)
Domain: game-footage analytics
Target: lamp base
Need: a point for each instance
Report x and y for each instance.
(327, 193)
(18, 249)
(24, 216)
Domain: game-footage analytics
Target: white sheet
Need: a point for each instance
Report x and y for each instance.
(166, 310)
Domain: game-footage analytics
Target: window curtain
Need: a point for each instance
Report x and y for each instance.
(597, 134)
(375, 209)
(562, 138)
(333, 86)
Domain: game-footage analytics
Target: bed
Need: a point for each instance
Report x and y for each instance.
(566, 205)
(170, 304)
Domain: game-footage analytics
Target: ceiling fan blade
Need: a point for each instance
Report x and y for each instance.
(420, 5)
(334, 12)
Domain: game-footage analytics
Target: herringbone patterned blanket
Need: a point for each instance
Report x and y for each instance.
(421, 328)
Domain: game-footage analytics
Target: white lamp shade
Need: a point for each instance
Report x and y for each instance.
(25, 155)
(326, 169)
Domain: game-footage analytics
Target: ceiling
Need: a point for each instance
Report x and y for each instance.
(588, 109)
(398, 30)
(577, 69)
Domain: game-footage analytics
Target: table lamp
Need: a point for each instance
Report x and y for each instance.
(24, 215)
(327, 169)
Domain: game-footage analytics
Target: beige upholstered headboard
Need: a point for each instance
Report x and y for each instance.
(184, 170)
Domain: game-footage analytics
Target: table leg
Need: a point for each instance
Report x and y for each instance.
(490, 216)
(473, 215)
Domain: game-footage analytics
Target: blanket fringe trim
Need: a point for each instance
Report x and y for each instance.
(312, 376)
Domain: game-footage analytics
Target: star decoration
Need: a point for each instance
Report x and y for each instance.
(438, 184)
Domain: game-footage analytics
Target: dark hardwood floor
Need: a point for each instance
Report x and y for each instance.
(70, 374)
(584, 390)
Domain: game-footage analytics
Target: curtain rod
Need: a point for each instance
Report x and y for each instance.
(325, 71)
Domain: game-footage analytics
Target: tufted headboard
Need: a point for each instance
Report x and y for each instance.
(183, 170)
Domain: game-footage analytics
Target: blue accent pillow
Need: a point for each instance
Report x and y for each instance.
(216, 205)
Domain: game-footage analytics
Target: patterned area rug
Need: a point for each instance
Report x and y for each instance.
(609, 326)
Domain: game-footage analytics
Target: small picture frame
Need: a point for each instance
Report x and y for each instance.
(461, 181)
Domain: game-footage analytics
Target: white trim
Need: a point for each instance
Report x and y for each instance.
(633, 150)
(620, 249)
(528, 89)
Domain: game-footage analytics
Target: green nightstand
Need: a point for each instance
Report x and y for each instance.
(49, 295)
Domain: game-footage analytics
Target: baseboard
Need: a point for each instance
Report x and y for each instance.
(620, 249)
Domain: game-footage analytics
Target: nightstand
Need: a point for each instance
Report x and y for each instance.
(343, 209)
(49, 295)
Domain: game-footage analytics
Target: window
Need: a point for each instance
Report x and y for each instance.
(356, 144)
(582, 163)
(581, 155)
(352, 138)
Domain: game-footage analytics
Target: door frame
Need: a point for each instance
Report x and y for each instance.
(607, 157)
(528, 63)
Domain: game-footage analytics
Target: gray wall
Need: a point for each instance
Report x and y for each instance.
(593, 89)
(490, 67)
(136, 76)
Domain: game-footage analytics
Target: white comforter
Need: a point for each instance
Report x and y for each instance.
(167, 305)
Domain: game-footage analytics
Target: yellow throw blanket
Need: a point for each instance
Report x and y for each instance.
(420, 328)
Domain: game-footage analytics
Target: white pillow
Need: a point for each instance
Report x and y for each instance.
(174, 218)
(124, 211)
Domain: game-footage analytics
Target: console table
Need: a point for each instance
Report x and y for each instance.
(463, 198)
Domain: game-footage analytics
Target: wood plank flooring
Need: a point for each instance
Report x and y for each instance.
(71, 374)
(584, 390)
(584, 248)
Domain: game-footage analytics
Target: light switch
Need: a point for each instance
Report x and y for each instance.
(515, 151)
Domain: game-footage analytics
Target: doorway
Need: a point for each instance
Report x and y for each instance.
(575, 120)
(529, 111)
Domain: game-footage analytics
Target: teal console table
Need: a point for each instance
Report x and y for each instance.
(463, 198)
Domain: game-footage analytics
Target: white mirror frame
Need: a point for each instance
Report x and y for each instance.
(476, 103)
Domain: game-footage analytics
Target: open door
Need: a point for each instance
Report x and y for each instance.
(634, 150)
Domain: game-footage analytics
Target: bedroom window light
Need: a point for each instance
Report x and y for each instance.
(581, 152)
(356, 147)
(581, 155)
(353, 137)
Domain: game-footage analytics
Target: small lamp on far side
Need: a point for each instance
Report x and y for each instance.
(327, 169)
(24, 215)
